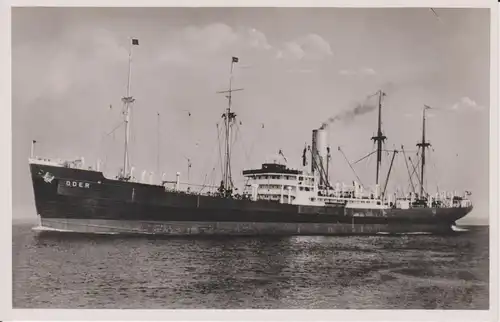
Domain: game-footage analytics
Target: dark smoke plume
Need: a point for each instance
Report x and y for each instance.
(360, 109)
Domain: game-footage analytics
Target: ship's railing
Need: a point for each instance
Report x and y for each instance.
(444, 200)
(451, 200)
(193, 189)
(45, 161)
(209, 193)
(358, 201)
(74, 164)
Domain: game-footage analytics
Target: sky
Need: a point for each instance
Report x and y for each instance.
(298, 68)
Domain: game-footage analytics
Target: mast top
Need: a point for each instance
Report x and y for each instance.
(424, 143)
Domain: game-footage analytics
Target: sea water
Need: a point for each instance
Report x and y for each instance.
(349, 272)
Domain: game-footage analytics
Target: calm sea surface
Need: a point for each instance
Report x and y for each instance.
(377, 272)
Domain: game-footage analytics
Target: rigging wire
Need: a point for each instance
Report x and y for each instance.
(408, 168)
(158, 144)
(220, 150)
(366, 156)
(211, 180)
(213, 151)
(415, 168)
(243, 147)
(370, 158)
(107, 135)
(115, 128)
(235, 139)
(394, 173)
(133, 137)
(390, 166)
(434, 168)
(234, 134)
(257, 139)
(354, 171)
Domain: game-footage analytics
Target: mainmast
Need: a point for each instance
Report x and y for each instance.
(380, 138)
(127, 101)
(228, 117)
(423, 145)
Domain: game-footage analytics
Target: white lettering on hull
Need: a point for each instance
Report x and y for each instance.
(77, 184)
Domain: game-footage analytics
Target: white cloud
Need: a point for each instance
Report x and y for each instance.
(291, 51)
(466, 103)
(96, 42)
(315, 45)
(310, 47)
(301, 71)
(257, 39)
(59, 80)
(191, 42)
(368, 71)
(174, 55)
(66, 63)
(358, 72)
(347, 72)
(211, 39)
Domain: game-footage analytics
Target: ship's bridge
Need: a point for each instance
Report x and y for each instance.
(276, 182)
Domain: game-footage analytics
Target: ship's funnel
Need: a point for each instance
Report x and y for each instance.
(319, 154)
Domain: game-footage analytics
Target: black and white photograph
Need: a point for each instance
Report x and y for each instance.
(268, 157)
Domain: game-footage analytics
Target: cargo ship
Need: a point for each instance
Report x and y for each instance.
(275, 200)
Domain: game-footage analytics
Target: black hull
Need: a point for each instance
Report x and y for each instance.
(75, 200)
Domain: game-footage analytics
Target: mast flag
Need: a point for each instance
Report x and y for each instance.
(135, 42)
(235, 59)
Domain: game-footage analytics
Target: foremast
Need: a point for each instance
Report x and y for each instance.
(380, 137)
(423, 144)
(128, 100)
(229, 117)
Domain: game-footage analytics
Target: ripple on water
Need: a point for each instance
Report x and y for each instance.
(371, 272)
